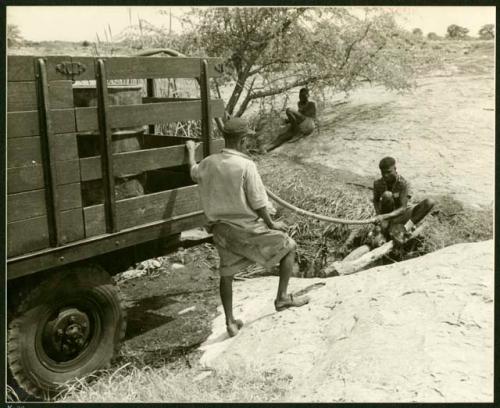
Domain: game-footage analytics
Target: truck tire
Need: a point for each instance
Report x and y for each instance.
(66, 327)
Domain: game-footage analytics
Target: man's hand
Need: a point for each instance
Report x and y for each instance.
(191, 145)
(280, 226)
(378, 219)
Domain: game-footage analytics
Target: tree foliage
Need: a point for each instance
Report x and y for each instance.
(456, 32)
(14, 36)
(418, 32)
(487, 32)
(433, 36)
(268, 51)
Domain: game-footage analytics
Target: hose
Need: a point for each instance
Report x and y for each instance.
(322, 217)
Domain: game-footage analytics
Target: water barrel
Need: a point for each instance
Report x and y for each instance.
(123, 140)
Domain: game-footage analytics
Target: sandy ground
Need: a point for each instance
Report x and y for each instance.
(442, 135)
(420, 330)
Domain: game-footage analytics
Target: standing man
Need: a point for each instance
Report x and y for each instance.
(235, 202)
(390, 198)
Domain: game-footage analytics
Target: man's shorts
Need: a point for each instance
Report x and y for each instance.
(239, 247)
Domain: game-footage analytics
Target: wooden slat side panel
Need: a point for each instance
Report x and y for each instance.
(21, 68)
(149, 67)
(31, 178)
(26, 151)
(22, 96)
(144, 209)
(27, 236)
(143, 160)
(94, 220)
(153, 207)
(31, 204)
(31, 235)
(72, 225)
(21, 266)
(23, 124)
(23, 152)
(146, 114)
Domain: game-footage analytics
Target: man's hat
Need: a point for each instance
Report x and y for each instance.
(237, 127)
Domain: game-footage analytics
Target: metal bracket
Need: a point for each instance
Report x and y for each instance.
(71, 69)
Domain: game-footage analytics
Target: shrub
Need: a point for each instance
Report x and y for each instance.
(487, 32)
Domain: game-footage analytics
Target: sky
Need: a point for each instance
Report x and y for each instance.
(78, 23)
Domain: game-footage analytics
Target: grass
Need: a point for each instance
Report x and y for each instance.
(130, 383)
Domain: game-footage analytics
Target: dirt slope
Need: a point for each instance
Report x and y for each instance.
(420, 330)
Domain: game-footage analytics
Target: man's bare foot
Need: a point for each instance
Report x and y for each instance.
(233, 327)
(290, 301)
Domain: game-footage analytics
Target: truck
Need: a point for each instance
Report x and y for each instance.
(92, 187)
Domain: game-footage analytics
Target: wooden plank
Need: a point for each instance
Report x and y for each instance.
(23, 124)
(105, 136)
(72, 225)
(157, 99)
(22, 96)
(20, 68)
(31, 178)
(84, 249)
(206, 115)
(31, 235)
(94, 220)
(143, 160)
(27, 236)
(25, 151)
(31, 204)
(146, 114)
(158, 206)
(145, 209)
(149, 67)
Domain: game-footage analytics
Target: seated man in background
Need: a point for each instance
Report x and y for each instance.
(235, 203)
(390, 198)
(303, 119)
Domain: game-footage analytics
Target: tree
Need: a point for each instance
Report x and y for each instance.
(487, 32)
(418, 32)
(14, 36)
(433, 36)
(269, 51)
(456, 32)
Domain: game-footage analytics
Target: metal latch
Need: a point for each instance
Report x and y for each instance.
(70, 69)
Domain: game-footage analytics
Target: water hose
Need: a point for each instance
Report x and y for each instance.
(323, 217)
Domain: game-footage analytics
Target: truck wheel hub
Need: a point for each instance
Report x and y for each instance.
(67, 334)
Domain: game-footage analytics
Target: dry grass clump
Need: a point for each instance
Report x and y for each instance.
(452, 223)
(130, 383)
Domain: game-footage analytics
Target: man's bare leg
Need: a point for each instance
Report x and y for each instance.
(283, 300)
(294, 117)
(226, 295)
(421, 210)
(286, 269)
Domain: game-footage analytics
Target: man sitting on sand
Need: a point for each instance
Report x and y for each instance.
(303, 119)
(390, 197)
(235, 202)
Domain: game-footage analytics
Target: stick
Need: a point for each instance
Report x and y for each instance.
(349, 267)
